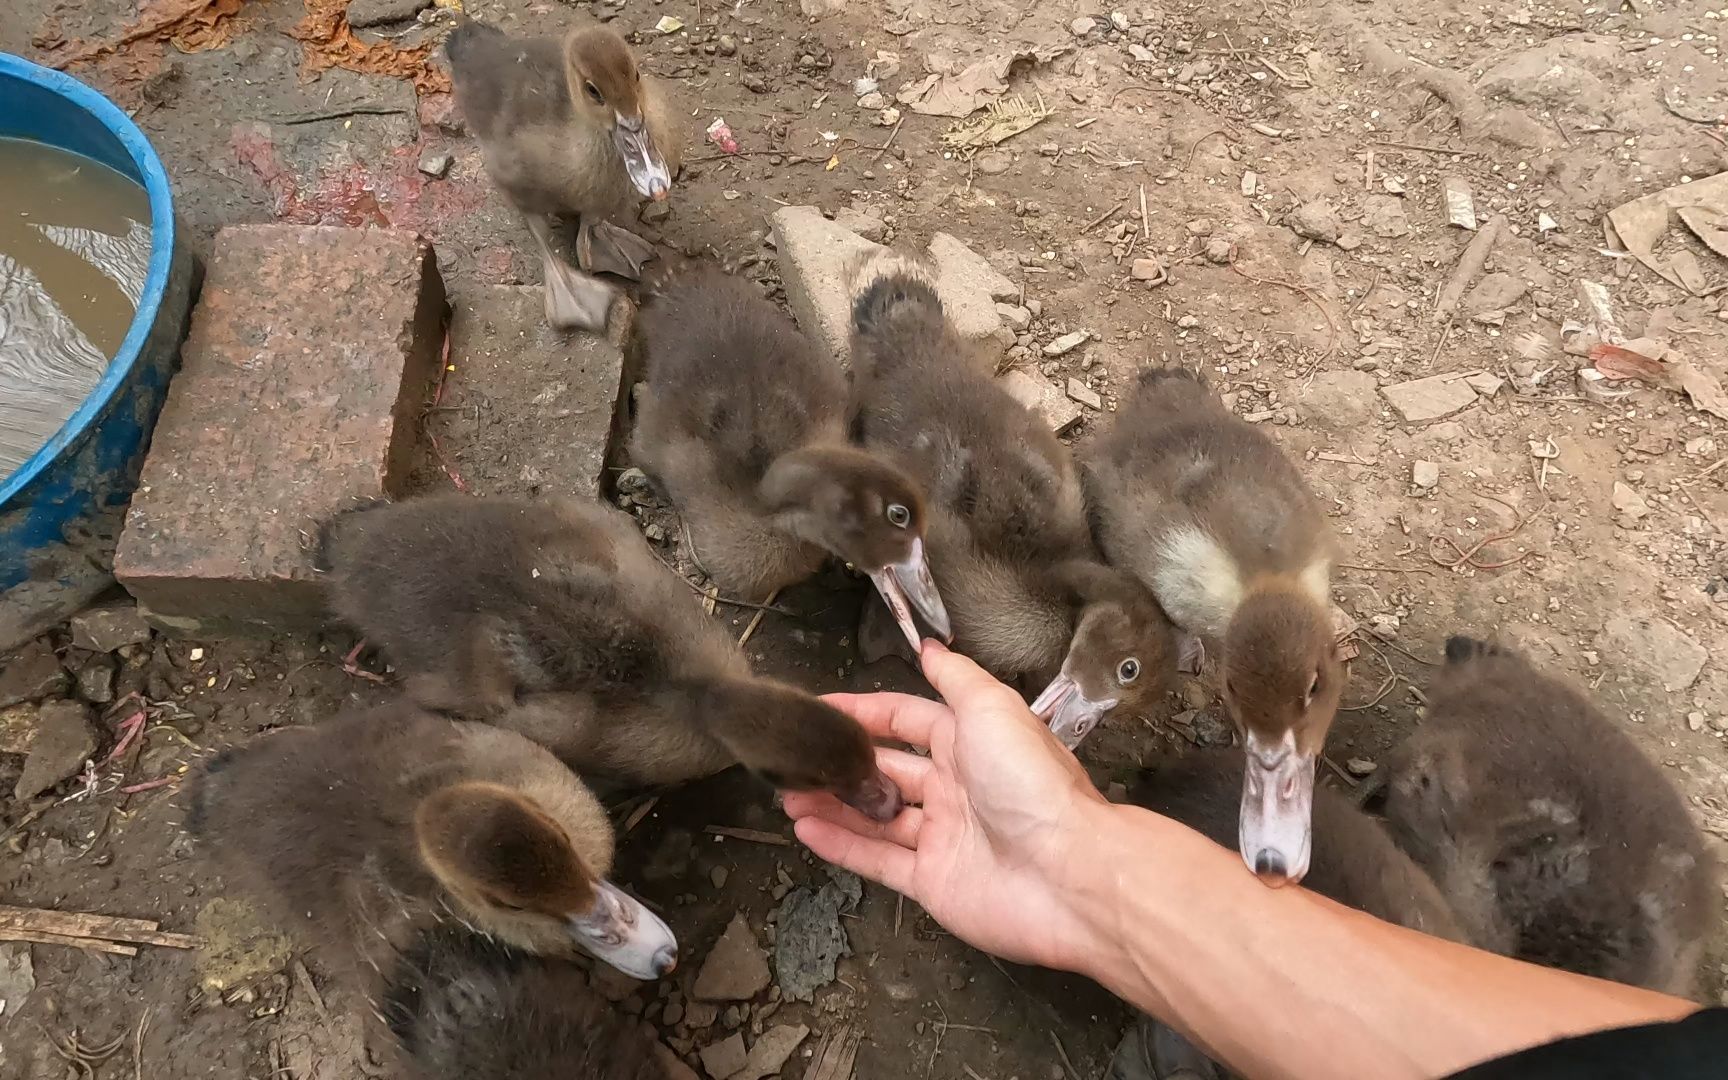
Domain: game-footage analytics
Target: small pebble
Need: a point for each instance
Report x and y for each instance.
(718, 877)
(1357, 766)
(1082, 26)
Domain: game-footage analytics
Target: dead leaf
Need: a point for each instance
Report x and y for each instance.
(1703, 388)
(1618, 362)
(1709, 225)
(327, 41)
(192, 25)
(1641, 224)
(965, 92)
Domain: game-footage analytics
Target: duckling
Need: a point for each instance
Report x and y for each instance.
(743, 424)
(356, 831)
(1354, 862)
(1555, 838)
(1206, 510)
(568, 127)
(556, 620)
(1006, 530)
(458, 1004)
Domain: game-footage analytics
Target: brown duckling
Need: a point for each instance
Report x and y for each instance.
(554, 618)
(1007, 533)
(459, 1004)
(743, 424)
(358, 831)
(1208, 512)
(1354, 862)
(1555, 838)
(568, 126)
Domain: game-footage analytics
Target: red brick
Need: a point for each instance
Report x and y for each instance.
(311, 354)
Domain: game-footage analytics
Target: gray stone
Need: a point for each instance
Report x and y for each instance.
(720, 1060)
(1045, 401)
(735, 969)
(1067, 343)
(109, 627)
(1085, 395)
(96, 680)
(435, 163)
(1146, 270)
(17, 977)
(814, 255)
(65, 739)
(1383, 215)
(1211, 729)
(1425, 475)
(367, 13)
(1657, 647)
(1340, 400)
(1316, 220)
(1018, 318)
(865, 223)
(32, 673)
(1082, 26)
(1432, 398)
(534, 379)
(1495, 292)
(994, 162)
(809, 940)
(771, 1052)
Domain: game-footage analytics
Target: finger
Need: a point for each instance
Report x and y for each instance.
(903, 831)
(803, 804)
(892, 716)
(910, 773)
(880, 861)
(964, 685)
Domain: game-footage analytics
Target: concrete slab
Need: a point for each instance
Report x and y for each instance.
(302, 382)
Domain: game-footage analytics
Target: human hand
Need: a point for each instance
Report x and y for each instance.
(997, 814)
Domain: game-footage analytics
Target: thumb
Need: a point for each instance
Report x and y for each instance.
(964, 685)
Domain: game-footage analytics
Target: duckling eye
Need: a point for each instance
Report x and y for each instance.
(1127, 671)
(899, 516)
(594, 94)
(1313, 688)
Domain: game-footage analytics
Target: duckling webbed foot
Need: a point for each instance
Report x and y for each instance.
(604, 248)
(1153, 1051)
(576, 301)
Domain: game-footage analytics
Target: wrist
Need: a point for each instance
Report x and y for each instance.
(1088, 874)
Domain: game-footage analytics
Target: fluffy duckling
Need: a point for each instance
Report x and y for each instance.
(1208, 512)
(1355, 862)
(555, 619)
(568, 126)
(461, 1005)
(1007, 533)
(1555, 838)
(357, 831)
(743, 424)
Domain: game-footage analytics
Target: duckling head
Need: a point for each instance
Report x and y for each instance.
(798, 742)
(867, 512)
(606, 90)
(515, 870)
(1121, 654)
(1282, 679)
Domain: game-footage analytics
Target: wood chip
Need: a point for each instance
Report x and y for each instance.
(755, 836)
(93, 944)
(80, 925)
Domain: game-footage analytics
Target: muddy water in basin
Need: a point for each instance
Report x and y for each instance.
(74, 253)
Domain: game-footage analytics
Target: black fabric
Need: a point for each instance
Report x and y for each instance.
(1695, 1048)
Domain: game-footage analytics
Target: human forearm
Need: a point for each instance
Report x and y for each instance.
(1285, 983)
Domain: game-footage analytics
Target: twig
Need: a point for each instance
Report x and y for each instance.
(899, 911)
(1195, 149)
(1385, 569)
(1145, 220)
(755, 836)
(84, 925)
(149, 785)
(304, 979)
(1468, 555)
(1470, 263)
(138, 1045)
(1073, 1073)
(93, 944)
(1331, 327)
(438, 399)
(756, 619)
(890, 141)
(1427, 149)
(1100, 219)
(1338, 772)
(341, 114)
(641, 812)
(718, 599)
(1385, 688)
(1373, 283)
(1702, 509)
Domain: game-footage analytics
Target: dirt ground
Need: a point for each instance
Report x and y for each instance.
(1604, 519)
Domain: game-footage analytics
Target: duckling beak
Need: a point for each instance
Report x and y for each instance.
(620, 931)
(1276, 833)
(908, 585)
(1069, 712)
(876, 798)
(641, 159)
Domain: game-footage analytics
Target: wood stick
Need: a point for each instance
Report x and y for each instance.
(93, 944)
(755, 836)
(80, 925)
(1469, 265)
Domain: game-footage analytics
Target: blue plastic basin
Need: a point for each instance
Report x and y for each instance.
(61, 511)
